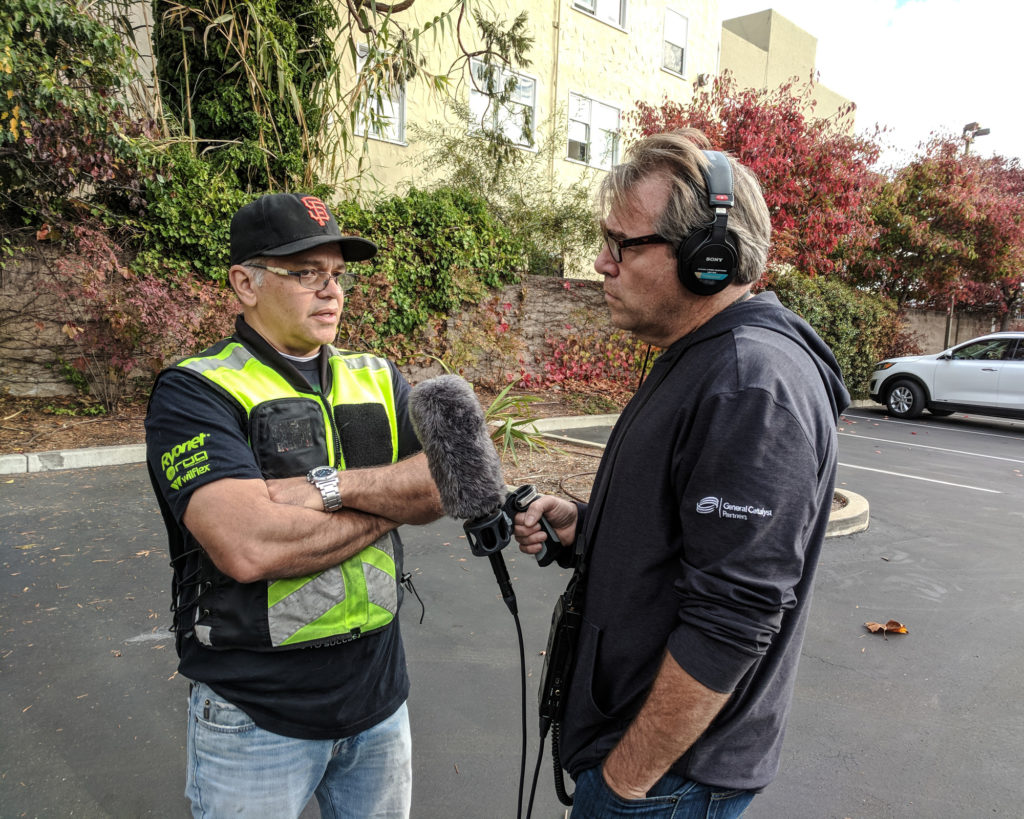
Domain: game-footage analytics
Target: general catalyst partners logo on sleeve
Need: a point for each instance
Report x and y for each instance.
(709, 505)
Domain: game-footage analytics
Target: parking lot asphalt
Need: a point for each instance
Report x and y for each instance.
(925, 724)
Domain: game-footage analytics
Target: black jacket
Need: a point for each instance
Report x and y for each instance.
(706, 520)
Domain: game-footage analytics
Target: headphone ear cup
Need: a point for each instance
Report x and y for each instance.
(706, 267)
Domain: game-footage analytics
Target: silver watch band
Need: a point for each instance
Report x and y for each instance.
(326, 480)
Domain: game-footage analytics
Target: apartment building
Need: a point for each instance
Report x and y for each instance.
(765, 50)
(591, 61)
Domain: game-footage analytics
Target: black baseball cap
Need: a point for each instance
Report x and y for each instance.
(280, 224)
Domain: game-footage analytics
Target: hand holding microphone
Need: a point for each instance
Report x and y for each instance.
(450, 424)
(537, 525)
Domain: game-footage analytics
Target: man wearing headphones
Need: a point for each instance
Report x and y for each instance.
(695, 556)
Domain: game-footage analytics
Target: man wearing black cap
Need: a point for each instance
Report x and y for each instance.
(283, 467)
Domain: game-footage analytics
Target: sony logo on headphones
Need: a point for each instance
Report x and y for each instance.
(713, 259)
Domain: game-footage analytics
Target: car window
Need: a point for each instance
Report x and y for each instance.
(1018, 354)
(992, 349)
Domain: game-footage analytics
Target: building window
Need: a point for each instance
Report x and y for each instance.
(593, 132)
(514, 118)
(387, 120)
(611, 11)
(676, 27)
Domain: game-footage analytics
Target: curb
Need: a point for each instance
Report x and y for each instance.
(72, 459)
(575, 422)
(852, 518)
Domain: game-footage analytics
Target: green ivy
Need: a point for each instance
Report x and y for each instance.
(438, 250)
(187, 222)
(861, 328)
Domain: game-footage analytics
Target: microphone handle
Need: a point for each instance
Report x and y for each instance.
(504, 582)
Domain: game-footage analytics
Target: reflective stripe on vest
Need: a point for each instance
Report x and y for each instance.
(359, 595)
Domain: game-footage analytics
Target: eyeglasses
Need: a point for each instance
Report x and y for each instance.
(315, 280)
(615, 246)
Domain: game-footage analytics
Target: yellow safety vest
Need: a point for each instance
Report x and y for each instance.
(290, 431)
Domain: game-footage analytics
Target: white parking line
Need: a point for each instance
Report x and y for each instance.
(880, 419)
(919, 478)
(857, 435)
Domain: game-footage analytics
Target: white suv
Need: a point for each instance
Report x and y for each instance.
(984, 375)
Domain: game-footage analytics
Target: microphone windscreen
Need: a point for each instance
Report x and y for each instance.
(449, 422)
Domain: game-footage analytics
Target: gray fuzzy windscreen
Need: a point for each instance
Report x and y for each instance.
(449, 422)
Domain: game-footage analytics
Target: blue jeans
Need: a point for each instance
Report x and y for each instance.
(672, 797)
(237, 769)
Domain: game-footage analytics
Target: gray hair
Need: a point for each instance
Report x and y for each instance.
(677, 157)
(258, 273)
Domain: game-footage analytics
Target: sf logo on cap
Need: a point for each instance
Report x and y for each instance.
(317, 210)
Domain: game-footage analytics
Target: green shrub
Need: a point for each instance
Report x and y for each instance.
(186, 226)
(552, 221)
(861, 328)
(438, 250)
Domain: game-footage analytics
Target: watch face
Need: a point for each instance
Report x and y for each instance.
(321, 472)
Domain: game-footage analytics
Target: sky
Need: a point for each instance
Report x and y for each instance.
(918, 66)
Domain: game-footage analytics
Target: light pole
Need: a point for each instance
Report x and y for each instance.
(972, 131)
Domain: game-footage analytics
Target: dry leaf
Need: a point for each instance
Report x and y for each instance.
(892, 627)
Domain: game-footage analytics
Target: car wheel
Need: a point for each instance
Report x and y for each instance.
(905, 399)
(940, 413)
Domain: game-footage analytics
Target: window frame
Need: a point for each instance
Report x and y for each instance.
(495, 115)
(684, 46)
(592, 9)
(590, 126)
(362, 129)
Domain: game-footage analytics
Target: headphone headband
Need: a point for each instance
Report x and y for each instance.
(718, 178)
(706, 261)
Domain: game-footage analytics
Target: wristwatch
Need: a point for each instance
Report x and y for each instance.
(325, 478)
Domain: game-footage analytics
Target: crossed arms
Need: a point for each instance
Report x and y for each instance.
(259, 530)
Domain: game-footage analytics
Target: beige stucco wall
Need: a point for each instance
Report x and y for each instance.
(572, 52)
(747, 61)
(765, 50)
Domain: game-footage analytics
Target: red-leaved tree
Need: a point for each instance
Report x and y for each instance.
(120, 323)
(816, 175)
(950, 231)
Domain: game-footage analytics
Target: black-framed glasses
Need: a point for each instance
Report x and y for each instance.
(315, 280)
(615, 246)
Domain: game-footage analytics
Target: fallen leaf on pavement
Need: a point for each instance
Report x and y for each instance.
(892, 627)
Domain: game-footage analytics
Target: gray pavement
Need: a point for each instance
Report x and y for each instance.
(924, 725)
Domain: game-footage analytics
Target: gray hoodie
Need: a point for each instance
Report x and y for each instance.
(706, 520)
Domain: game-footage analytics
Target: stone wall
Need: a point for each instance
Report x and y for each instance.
(930, 326)
(31, 346)
(536, 310)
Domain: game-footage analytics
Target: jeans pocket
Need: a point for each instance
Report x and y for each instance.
(217, 714)
(595, 800)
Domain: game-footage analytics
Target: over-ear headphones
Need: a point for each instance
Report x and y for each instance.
(707, 259)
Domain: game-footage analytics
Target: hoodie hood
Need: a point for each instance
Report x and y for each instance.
(766, 311)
